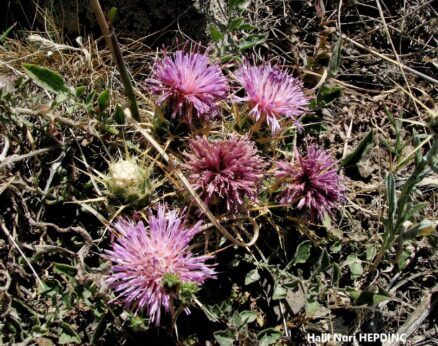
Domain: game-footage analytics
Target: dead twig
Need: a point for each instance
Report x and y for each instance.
(15, 158)
(12, 240)
(384, 57)
(113, 45)
(426, 306)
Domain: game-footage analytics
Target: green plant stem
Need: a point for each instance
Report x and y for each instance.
(113, 45)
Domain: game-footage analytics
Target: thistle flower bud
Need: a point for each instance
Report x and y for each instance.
(128, 181)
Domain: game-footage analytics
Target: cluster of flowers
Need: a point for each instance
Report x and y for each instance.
(225, 171)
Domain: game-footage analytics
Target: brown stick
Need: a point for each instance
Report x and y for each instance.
(384, 57)
(113, 45)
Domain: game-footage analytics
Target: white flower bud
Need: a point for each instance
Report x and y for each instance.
(124, 174)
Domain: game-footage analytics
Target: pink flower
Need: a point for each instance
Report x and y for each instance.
(189, 85)
(225, 170)
(272, 94)
(142, 257)
(311, 181)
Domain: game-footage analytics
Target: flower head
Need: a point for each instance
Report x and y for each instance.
(144, 258)
(311, 181)
(129, 181)
(225, 170)
(272, 94)
(189, 85)
(124, 173)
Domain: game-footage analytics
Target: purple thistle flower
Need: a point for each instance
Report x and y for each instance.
(312, 181)
(272, 94)
(189, 84)
(142, 257)
(225, 170)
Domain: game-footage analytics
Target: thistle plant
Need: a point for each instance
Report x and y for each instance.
(152, 264)
(310, 182)
(272, 94)
(188, 85)
(226, 170)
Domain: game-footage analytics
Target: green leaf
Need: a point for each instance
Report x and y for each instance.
(45, 78)
(247, 27)
(416, 141)
(268, 337)
(335, 59)
(252, 276)
(119, 116)
(5, 33)
(241, 319)
(112, 15)
(336, 247)
(391, 197)
(224, 337)
(327, 95)
(68, 335)
(325, 260)
(336, 274)
(302, 253)
(280, 292)
(235, 4)
(355, 265)
(103, 100)
(252, 41)
(371, 252)
(355, 156)
(413, 210)
(50, 288)
(230, 57)
(80, 90)
(402, 259)
(369, 298)
(65, 269)
(235, 23)
(311, 307)
(215, 33)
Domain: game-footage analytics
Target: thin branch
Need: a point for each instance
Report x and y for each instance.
(15, 158)
(384, 57)
(113, 45)
(8, 234)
